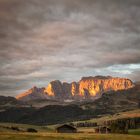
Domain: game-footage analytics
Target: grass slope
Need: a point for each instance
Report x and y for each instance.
(3, 127)
(101, 119)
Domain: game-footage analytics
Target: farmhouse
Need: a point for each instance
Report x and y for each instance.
(102, 129)
(66, 129)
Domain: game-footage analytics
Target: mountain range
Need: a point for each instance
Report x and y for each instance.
(91, 97)
(86, 89)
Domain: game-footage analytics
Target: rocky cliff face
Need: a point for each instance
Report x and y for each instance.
(32, 94)
(95, 86)
(86, 88)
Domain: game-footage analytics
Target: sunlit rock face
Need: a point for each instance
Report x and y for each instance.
(55, 89)
(86, 88)
(95, 86)
(59, 90)
(74, 89)
(32, 94)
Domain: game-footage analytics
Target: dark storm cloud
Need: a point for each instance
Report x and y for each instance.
(43, 40)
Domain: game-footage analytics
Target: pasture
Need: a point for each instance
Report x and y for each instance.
(48, 133)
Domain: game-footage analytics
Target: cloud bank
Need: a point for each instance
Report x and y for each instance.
(46, 40)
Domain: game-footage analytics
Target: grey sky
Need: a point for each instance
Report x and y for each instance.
(44, 40)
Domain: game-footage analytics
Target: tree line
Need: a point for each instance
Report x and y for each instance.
(122, 125)
(86, 124)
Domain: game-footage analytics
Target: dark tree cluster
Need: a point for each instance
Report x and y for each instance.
(32, 130)
(122, 125)
(86, 124)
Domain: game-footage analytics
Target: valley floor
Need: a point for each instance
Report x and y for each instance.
(56, 136)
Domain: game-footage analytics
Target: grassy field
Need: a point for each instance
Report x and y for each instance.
(56, 136)
(45, 133)
(127, 114)
(23, 127)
